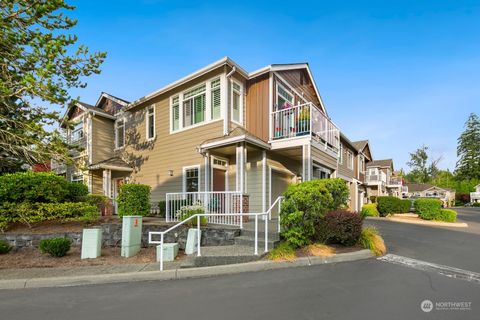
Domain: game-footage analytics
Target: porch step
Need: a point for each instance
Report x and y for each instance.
(221, 255)
(250, 242)
(272, 235)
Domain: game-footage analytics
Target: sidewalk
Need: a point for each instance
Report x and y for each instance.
(76, 276)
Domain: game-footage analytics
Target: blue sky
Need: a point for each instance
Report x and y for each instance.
(399, 73)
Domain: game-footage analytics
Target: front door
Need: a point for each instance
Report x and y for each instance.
(218, 181)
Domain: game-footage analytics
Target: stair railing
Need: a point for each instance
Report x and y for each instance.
(266, 214)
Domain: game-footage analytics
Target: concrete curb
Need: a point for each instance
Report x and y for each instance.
(421, 222)
(176, 274)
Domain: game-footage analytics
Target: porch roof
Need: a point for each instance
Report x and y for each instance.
(114, 163)
(236, 135)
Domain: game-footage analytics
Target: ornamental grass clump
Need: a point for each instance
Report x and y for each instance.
(371, 239)
(369, 210)
(283, 252)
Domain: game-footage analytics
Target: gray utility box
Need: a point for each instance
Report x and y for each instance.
(91, 243)
(131, 235)
(170, 251)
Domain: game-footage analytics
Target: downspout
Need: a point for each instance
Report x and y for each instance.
(226, 120)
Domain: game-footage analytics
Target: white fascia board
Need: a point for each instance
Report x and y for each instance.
(108, 96)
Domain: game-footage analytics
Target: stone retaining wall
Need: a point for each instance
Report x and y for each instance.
(112, 236)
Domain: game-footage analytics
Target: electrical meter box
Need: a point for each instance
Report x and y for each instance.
(91, 243)
(131, 235)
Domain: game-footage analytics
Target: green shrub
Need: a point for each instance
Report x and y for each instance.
(76, 191)
(305, 204)
(162, 208)
(390, 205)
(373, 199)
(476, 204)
(371, 239)
(32, 187)
(134, 200)
(427, 208)
(28, 213)
(186, 212)
(4, 247)
(447, 215)
(98, 200)
(369, 210)
(340, 226)
(283, 252)
(56, 247)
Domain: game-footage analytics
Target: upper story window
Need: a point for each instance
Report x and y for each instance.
(77, 132)
(284, 99)
(372, 171)
(361, 163)
(119, 133)
(215, 99)
(237, 102)
(150, 122)
(340, 156)
(349, 159)
(196, 105)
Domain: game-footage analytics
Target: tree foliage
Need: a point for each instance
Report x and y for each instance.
(39, 63)
(468, 150)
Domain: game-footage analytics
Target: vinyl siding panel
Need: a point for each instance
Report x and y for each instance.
(323, 158)
(102, 139)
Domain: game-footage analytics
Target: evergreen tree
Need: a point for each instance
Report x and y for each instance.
(39, 63)
(468, 150)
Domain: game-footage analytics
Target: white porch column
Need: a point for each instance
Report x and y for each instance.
(241, 154)
(306, 162)
(107, 183)
(207, 171)
(264, 180)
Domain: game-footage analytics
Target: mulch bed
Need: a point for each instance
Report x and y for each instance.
(32, 258)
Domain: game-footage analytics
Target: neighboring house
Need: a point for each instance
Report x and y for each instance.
(381, 179)
(92, 131)
(425, 190)
(475, 196)
(352, 161)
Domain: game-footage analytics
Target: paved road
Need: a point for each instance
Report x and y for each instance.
(369, 289)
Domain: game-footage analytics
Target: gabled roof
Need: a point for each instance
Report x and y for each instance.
(420, 187)
(105, 95)
(386, 163)
(350, 143)
(115, 163)
(87, 108)
(238, 134)
(359, 145)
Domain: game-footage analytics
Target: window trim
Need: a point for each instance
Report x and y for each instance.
(208, 109)
(82, 129)
(77, 173)
(240, 121)
(284, 89)
(350, 160)
(147, 123)
(184, 177)
(122, 118)
(340, 157)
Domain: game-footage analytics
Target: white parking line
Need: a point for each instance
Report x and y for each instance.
(447, 271)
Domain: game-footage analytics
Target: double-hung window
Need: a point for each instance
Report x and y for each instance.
(362, 163)
(349, 159)
(77, 132)
(175, 113)
(340, 156)
(119, 133)
(237, 102)
(215, 99)
(150, 122)
(194, 106)
(191, 179)
(284, 98)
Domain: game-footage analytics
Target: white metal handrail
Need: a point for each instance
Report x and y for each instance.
(266, 214)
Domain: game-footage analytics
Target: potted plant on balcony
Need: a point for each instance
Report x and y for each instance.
(303, 122)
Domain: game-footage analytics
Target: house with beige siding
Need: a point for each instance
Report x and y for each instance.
(382, 180)
(228, 138)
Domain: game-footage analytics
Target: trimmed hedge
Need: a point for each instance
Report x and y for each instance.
(56, 247)
(447, 215)
(341, 226)
(427, 208)
(390, 205)
(33, 187)
(76, 191)
(4, 247)
(134, 200)
(369, 210)
(28, 213)
(306, 204)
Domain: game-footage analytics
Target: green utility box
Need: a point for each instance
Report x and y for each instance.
(131, 235)
(170, 252)
(91, 243)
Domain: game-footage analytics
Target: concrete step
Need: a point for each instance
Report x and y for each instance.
(272, 235)
(250, 242)
(221, 255)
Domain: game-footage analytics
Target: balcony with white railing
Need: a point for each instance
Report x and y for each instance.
(395, 182)
(374, 179)
(304, 120)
